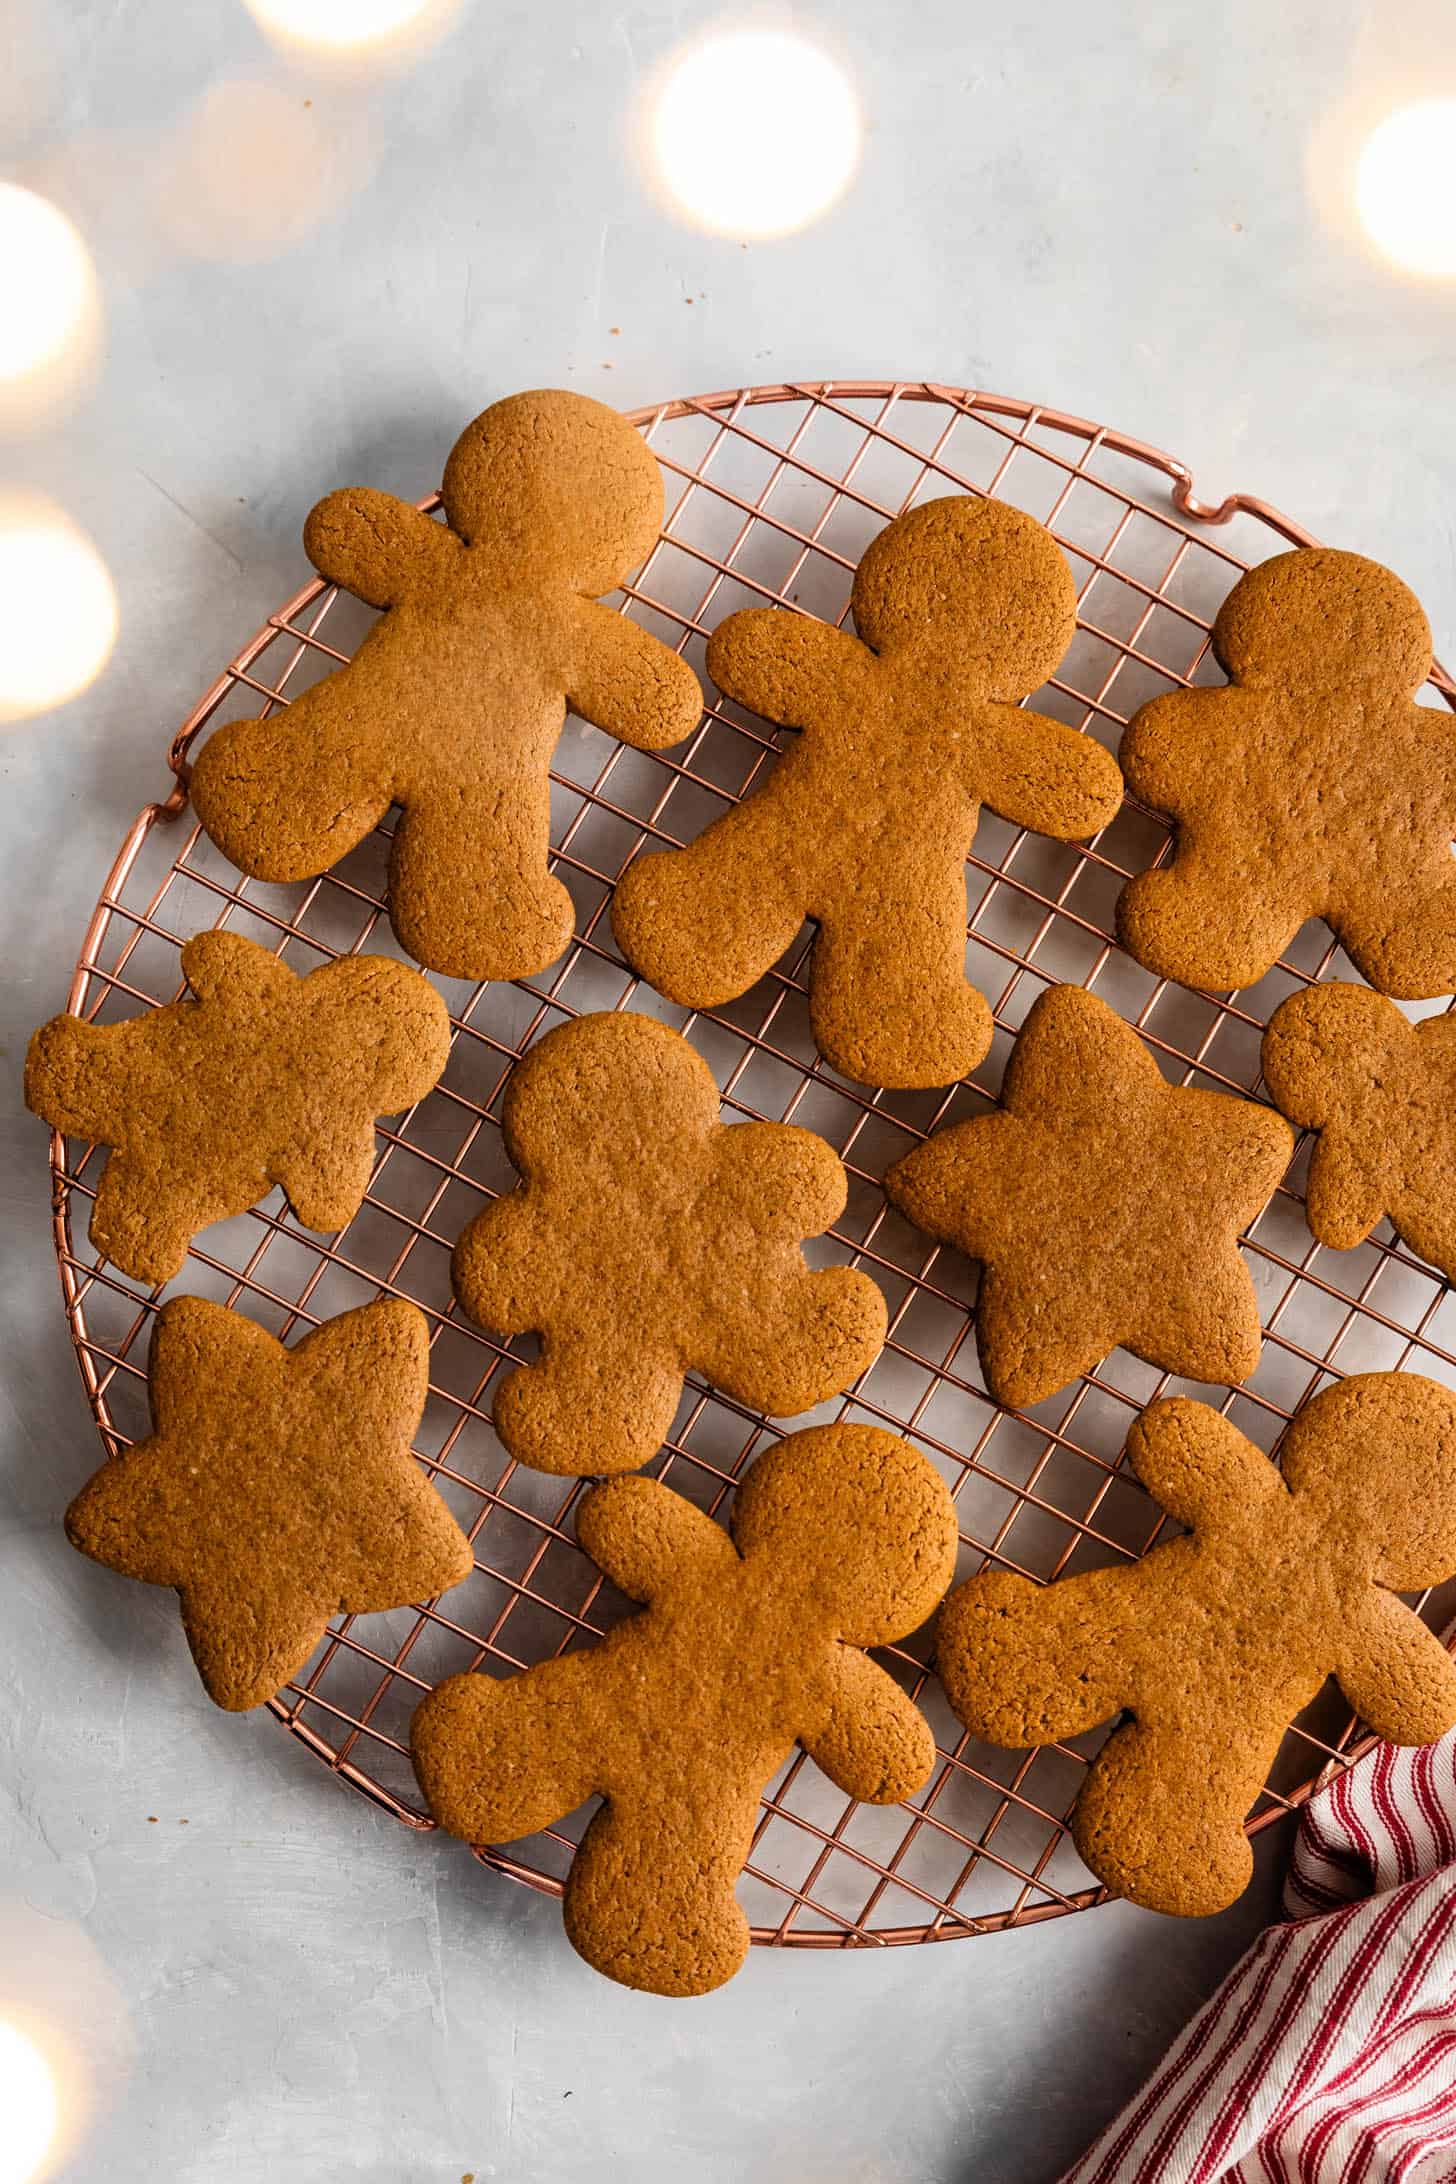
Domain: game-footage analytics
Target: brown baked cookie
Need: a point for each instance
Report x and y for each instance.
(265, 1078)
(277, 1488)
(649, 1238)
(1381, 1092)
(1214, 1642)
(962, 607)
(1104, 1204)
(1311, 787)
(453, 703)
(845, 1538)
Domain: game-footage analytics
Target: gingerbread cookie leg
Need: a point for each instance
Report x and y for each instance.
(889, 999)
(643, 1881)
(629, 1394)
(515, 917)
(876, 1745)
(1160, 1816)
(286, 798)
(703, 924)
(1407, 951)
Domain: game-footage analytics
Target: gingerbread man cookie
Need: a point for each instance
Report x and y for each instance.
(1104, 1204)
(649, 1238)
(842, 1538)
(1214, 1642)
(1311, 787)
(277, 1487)
(453, 703)
(962, 607)
(265, 1078)
(1381, 1092)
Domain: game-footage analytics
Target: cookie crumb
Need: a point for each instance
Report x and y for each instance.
(151, 1819)
(614, 329)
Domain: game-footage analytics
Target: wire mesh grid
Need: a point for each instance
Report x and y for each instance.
(773, 493)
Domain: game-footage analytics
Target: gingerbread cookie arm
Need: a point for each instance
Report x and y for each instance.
(76, 1073)
(875, 1743)
(650, 1896)
(647, 1539)
(1396, 1673)
(224, 966)
(381, 549)
(1164, 743)
(628, 683)
(499, 1758)
(1198, 1466)
(1039, 773)
(789, 668)
(1324, 1052)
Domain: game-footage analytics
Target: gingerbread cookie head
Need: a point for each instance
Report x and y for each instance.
(452, 705)
(277, 1487)
(844, 1536)
(1381, 1092)
(1321, 617)
(1212, 1643)
(871, 1588)
(649, 1239)
(975, 582)
(557, 489)
(1311, 785)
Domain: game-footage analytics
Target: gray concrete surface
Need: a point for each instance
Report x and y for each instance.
(1133, 212)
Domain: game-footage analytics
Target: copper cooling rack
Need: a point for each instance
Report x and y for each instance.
(773, 494)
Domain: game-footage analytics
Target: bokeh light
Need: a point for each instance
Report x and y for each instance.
(1405, 188)
(253, 168)
(753, 132)
(59, 618)
(29, 2106)
(341, 29)
(51, 314)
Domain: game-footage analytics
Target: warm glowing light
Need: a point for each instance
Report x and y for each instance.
(252, 169)
(57, 615)
(1405, 188)
(754, 132)
(345, 26)
(28, 2105)
(47, 281)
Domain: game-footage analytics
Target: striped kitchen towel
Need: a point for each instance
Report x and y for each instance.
(1328, 2056)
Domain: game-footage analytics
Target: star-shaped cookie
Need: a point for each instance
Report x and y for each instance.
(277, 1488)
(1104, 1204)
